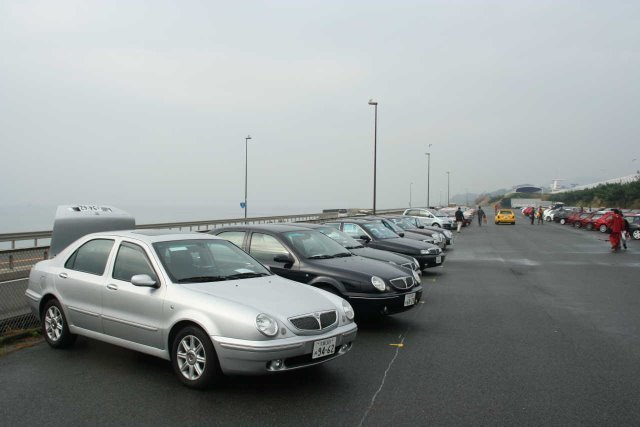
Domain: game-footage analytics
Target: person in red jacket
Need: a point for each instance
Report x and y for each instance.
(617, 226)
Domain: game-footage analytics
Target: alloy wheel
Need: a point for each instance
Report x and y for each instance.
(191, 357)
(53, 323)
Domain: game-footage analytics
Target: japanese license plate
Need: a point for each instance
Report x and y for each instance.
(324, 347)
(438, 259)
(409, 299)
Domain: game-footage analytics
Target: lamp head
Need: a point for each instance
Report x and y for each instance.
(372, 102)
(248, 137)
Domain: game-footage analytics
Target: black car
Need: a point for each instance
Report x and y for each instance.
(634, 225)
(375, 235)
(562, 214)
(308, 256)
(401, 232)
(417, 222)
(409, 225)
(357, 248)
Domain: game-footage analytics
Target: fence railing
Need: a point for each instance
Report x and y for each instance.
(15, 262)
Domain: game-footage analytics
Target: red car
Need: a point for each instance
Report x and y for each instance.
(604, 222)
(527, 211)
(582, 218)
(590, 223)
(572, 218)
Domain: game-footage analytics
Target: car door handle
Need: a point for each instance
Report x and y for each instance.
(63, 275)
(112, 287)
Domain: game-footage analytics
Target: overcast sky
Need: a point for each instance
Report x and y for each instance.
(134, 103)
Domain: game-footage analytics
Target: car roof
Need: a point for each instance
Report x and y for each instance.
(309, 225)
(354, 220)
(274, 228)
(154, 235)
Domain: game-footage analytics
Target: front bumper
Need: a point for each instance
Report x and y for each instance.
(384, 303)
(428, 261)
(253, 357)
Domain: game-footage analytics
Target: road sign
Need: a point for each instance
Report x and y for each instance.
(243, 205)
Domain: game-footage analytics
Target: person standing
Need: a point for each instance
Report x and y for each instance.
(459, 218)
(540, 215)
(625, 235)
(481, 216)
(617, 226)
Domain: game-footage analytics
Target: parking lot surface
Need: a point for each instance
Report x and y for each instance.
(525, 324)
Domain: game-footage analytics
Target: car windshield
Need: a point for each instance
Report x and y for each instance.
(206, 260)
(340, 237)
(379, 231)
(314, 245)
(395, 227)
(403, 223)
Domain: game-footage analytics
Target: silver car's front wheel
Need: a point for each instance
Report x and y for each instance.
(193, 358)
(54, 326)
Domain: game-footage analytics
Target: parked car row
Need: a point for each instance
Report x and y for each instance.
(595, 220)
(231, 301)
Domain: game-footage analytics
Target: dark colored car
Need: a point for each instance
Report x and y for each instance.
(357, 248)
(401, 232)
(409, 224)
(310, 257)
(417, 222)
(562, 215)
(375, 235)
(634, 225)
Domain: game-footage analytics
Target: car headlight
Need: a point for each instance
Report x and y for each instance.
(267, 325)
(348, 310)
(417, 277)
(424, 251)
(378, 283)
(416, 263)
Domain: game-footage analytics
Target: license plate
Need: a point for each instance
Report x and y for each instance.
(324, 348)
(409, 299)
(438, 259)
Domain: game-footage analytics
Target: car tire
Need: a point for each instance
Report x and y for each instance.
(603, 228)
(563, 221)
(55, 328)
(636, 234)
(435, 224)
(194, 359)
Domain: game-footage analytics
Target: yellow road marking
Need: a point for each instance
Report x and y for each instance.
(397, 345)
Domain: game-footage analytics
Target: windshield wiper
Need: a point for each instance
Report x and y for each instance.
(320, 257)
(200, 279)
(247, 275)
(343, 254)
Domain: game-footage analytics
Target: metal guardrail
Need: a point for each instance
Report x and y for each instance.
(15, 263)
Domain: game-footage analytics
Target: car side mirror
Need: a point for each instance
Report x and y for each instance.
(365, 238)
(401, 234)
(421, 226)
(143, 280)
(283, 258)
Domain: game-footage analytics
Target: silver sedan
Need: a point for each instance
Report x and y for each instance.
(196, 300)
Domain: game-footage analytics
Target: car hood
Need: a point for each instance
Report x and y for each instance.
(273, 295)
(360, 268)
(381, 255)
(402, 245)
(416, 236)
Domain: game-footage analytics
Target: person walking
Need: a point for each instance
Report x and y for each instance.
(617, 226)
(625, 235)
(481, 216)
(459, 218)
(540, 215)
(532, 214)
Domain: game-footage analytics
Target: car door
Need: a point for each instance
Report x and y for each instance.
(80, 282)
(265, 248)
(133, 313)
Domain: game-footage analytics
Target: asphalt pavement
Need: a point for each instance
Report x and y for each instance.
(524, 325)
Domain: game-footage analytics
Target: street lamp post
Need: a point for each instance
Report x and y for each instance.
(448, 173)
(375, 137)
(246, 170)
(428, 171)
(410, 191)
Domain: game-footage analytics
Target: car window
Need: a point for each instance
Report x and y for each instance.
(264, 248)
(206, 260)
(91, 257)
(505, 212)
(235, 237)
(130, 261)
(335, 225)
(312, 244)
(379, 231)
(353, 230)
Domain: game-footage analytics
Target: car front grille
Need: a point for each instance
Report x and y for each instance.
(403, 282)
(410, 265)
(434, 251)
(315, 321)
